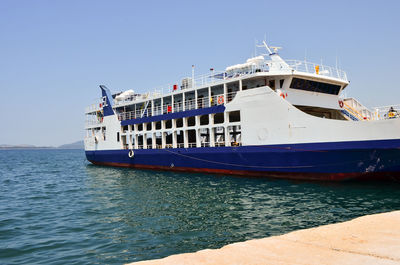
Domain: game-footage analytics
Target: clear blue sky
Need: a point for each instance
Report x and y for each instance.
(54, 54)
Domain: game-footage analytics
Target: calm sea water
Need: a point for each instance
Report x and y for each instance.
(56, 208)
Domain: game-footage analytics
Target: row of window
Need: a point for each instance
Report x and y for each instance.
(203, 137)
(233, 116)
(204, 97)
(314, 86)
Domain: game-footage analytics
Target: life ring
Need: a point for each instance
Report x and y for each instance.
(131, 154)
(221, 100)
(341, 104)
(282, 95)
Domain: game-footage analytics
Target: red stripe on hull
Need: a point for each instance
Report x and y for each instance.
(388, 176)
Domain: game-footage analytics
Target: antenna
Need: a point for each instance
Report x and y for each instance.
(305, 55)
(336, 61)
(255, 47)
(193, 84)
(266, 46)
(275, 48)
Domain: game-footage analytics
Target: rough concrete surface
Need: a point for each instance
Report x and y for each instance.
(371, 239)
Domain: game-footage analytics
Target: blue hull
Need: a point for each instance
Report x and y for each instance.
(317, 161)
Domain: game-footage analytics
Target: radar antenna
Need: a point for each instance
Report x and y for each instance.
(265, 45)
(275, 48)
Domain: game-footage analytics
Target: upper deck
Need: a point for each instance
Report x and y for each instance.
(253, 67)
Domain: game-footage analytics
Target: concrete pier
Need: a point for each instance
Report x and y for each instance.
(372, 239)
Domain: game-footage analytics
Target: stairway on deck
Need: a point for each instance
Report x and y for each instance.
(354, 110)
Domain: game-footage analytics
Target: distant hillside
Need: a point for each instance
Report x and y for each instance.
(23, 146)
(75, 145)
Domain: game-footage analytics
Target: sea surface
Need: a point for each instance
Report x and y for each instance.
(56, 208)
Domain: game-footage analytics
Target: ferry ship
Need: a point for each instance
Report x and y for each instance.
(267, 117)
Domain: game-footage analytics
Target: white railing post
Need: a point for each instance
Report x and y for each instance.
(195, 99)
(225, 94)
(183, 102)
(209, 97)
(172, 103)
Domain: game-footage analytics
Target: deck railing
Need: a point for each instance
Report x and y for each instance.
(358, 109)
(386, 112)
(219, 144)
(362, 113)
(205, 144)
(192, 145)
(357, 114)
(93, 108)
(314, 68)
(93, 120)
(218, 77)
(191, 104)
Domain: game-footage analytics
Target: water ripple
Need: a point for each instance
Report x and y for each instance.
(57, 209)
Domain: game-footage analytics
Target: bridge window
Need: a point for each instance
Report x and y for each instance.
(313, 86)
(253, 82)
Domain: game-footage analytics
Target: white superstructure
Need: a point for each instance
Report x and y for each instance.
(267, 102)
